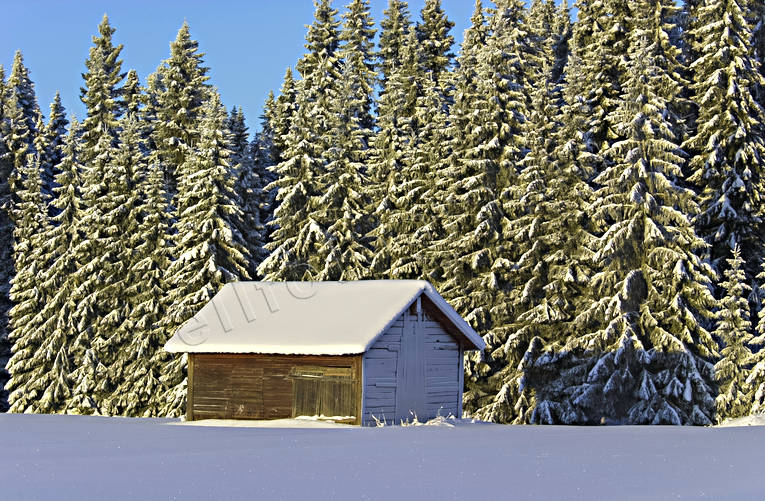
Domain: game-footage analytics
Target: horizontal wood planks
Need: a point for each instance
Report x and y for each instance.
(324, 398)
(255, 386)
(190, 388)
(380, 381)
(442, 366)
(441, 319)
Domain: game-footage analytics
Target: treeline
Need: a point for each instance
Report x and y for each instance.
(117, 229)
(587, 195)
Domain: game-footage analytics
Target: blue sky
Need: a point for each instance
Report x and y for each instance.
(248, 44)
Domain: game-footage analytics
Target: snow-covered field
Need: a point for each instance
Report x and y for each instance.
(755, 420)
(72, 457)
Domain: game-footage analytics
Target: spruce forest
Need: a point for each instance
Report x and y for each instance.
(586, 188)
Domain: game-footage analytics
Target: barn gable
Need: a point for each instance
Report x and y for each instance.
(414, 368)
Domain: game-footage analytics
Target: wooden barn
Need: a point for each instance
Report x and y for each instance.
(352, 351)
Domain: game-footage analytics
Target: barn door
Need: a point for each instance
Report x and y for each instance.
(324, 391)
(410, 394)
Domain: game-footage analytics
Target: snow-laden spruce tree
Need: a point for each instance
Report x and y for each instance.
(280, 116)
(396, 66)
(100, 254)
(576, 144)
(48, 370)
(340, 210)
(435, 42)
(357, 51)
(101, 91)
(131, 93)
(295, 237)
(419, 219)
(728, 147)
(756, 378)
(22, 88)
(177, 92)
(6, 240)
(264, 155)
(18, 130)
(30, 218)
(141, 338)
(262, 146)
(562, 30)
(757, 21)
(20, 143)
(567, 266)
(269, 145)
(734, 398)
(540, 22)
(436, 61)
(209, 251)
(108, 221)
(484, 252)
(600, 48)
(394, 28)
(544, 212)
(114, 202)
(506, 65)
(463, 186)
(248, 187)
(644, 355)
(54, 134)
(322, 41)
(301, 176)
(405, 161)
(396, 130)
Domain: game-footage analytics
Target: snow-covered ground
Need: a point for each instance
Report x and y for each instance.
(754, 420)
(72, 457)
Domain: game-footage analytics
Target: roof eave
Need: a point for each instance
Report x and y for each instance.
(456, 319)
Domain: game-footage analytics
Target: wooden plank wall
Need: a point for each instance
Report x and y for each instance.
(383, 372)
(410, 392)
(190, 388)
(380, 380)
(255, 386)
(442, 366)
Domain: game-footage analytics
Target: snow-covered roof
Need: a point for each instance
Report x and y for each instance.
(307, 318)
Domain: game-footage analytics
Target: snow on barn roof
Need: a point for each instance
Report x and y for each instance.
(307, 318)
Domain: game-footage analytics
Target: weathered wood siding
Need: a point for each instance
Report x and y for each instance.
(380, 375)
(254, 386)
(442, 370)
(414, 366)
